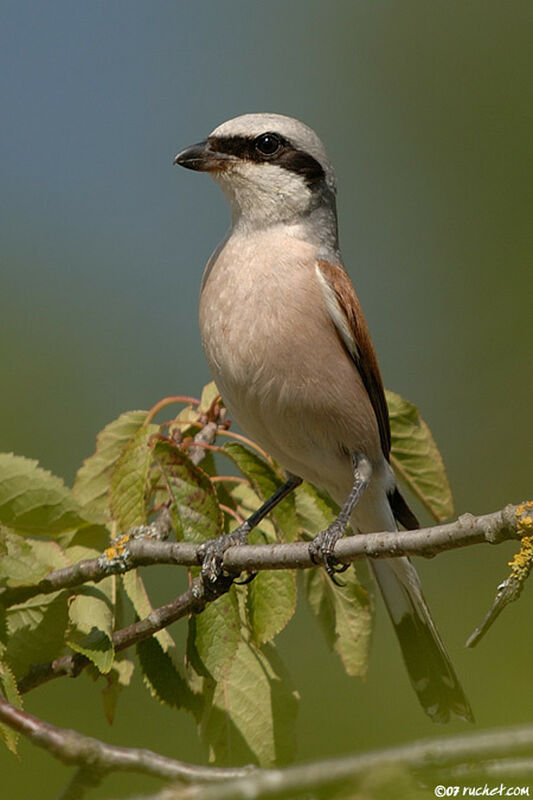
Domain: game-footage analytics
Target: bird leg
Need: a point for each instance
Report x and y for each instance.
(211, 553)
(322, 547)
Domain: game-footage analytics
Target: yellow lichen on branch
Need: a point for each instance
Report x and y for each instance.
(521, 565)
(522, 562)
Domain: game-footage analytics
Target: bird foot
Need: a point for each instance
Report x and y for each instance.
(322, 547)
(210, 555)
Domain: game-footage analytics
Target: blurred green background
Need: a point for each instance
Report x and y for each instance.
(427, 112)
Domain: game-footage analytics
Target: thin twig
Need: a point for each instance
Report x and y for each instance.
(167, 401)
(248, 442)
(83, 780)
(232, 513)
(510, 589)
(192, 601)
(72, 748)
(204, 439)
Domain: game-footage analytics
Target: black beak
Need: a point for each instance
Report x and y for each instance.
(202, 158)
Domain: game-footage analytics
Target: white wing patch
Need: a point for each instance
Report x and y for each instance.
(337, 314)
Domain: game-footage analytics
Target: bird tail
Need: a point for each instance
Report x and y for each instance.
(428, 665)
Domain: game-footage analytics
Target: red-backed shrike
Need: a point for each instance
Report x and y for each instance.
(290, 351)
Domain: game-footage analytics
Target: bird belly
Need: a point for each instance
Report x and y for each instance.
(280, 366)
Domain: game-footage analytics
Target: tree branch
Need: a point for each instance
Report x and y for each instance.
(141, 547)
(99, 758)
(444, 757)
(509, 748)
(83, 780)
(192, 601)
(491, 528)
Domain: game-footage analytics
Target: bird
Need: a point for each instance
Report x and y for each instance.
(291, 354)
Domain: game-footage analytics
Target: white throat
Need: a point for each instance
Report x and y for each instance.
(261, 195)
(265, 196)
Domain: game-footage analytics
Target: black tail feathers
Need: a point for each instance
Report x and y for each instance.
(428, 665)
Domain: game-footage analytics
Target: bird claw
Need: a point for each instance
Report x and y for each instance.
(210, 555)
(321, 552)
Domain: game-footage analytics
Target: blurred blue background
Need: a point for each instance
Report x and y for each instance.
(426, 109)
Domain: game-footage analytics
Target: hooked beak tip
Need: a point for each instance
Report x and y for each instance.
(202, 158)
(196, 157)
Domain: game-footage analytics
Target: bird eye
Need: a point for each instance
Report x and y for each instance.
(267, 144)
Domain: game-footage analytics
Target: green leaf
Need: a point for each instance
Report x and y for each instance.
(127, 488)
(88, 542)
(136, 591)
(265, 481)
(8, 687)
(117, 678)
(416, 458)
(186, 421)
(163, 678)
(195, 510)
(34, 501)
(36, 631)
(271, 603)
(92, 480)
(315, 510)
(245, 501)
(209, 394)
(91, 623)
(344, 614)
(123, 669)
(253, 711)
(27, 561)
(214, 636)
(271, 596)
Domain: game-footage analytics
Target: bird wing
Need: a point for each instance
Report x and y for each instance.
(347, 316)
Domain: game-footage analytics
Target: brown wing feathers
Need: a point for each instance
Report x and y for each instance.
(364, 356)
